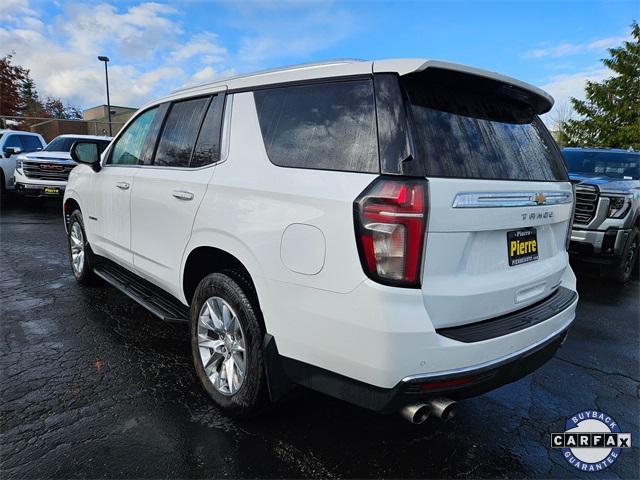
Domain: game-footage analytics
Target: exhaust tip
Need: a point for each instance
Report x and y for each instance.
(417, 413)
(444, 408)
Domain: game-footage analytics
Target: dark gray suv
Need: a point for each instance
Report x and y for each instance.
(606, 221)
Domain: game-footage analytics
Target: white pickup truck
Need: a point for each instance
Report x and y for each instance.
(45, 173)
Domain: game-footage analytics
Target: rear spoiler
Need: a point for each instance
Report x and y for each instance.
(539, 100)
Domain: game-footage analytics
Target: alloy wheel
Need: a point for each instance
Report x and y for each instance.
(76, 238)
(221, 343)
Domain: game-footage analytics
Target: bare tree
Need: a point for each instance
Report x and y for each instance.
(561, 115)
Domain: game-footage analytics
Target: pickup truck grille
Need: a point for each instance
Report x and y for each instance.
(47, 171)
(586, 204)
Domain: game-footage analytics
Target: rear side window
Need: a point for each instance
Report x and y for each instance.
(329, 126)
(464, 135)
(180, 131)
(31, 143)
(129, 147)
(207, 149)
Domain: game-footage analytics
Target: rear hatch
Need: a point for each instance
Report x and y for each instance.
(500, 202)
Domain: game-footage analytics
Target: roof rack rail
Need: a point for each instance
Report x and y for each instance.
(269, 71)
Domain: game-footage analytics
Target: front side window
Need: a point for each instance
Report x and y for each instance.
(329, 126)
(129, 147)
(31, 143)
(14, 142)
(463, 134)
(180, 132)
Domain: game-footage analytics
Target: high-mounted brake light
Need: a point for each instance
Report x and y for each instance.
(390, 219)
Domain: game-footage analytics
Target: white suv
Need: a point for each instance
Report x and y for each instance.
(392, 233)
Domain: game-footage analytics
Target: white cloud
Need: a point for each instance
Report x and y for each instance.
(567, 49)
(137, 32)
(205, 44)
(151, 49)
(290, 30)
(10, 10)
(563, 87)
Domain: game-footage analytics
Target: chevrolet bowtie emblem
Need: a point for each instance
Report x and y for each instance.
(540, 198)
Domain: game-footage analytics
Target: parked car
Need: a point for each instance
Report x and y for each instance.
(45, 173)
(12, 144)
(392, 233)
(606, 226)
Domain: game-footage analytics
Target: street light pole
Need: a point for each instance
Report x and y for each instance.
(106, 76)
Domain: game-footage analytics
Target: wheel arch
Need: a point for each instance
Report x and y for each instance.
(203, 260)
(70, 204)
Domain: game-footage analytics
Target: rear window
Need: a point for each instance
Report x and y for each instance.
(329, 126)
(607, 164)
(464, 135)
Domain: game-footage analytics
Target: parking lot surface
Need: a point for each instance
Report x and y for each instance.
(92, 385)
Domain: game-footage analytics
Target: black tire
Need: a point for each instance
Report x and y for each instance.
(252, 397)
(84, 275)
(629, 261)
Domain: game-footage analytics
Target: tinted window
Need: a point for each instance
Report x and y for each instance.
(61, 144)
(13, 141)
(31, 143)
(465, 135)
(102, 144)
(208, 145)
(606, 164)
(328, 126)
(180, 132)
(129, 148)
(64, 144)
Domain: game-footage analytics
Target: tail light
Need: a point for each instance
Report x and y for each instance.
(390, 219)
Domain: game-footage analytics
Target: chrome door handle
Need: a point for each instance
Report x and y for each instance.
(183, 195)
(122, 185)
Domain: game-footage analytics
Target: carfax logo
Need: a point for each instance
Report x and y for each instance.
(592, 440)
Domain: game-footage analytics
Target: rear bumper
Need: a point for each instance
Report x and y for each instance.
(456, 385)
(376, 346)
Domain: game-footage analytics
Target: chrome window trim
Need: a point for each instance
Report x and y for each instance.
(226, 128)
(224, 146)
(510, 199)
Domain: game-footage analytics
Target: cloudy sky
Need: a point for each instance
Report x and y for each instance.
(156, 47)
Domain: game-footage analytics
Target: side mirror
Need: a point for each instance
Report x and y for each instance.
(87, 153)
(8, 151)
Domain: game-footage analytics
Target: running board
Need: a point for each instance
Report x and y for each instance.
(154, 299)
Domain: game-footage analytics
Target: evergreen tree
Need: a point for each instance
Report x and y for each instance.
(610, 114)
(31, 104)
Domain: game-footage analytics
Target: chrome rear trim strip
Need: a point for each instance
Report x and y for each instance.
(510, 199)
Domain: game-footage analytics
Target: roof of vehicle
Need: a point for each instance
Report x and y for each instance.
(21, 132)
(350, 67)
(600, 149)
(88, 137)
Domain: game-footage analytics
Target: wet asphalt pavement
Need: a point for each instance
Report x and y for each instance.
(92, 385)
